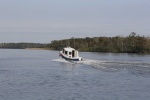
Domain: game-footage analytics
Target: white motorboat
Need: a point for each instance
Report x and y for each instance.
(70, 54)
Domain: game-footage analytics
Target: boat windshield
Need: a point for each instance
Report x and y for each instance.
(66, 52)
(69, 53)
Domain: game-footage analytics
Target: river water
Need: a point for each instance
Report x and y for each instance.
(43, 75)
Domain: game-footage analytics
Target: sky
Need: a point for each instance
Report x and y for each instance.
(42, 21)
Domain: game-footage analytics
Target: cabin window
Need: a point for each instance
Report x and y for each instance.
(73, 53)
(66, 52)
(69, 53)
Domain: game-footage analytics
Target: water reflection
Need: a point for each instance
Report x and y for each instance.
(69, 69)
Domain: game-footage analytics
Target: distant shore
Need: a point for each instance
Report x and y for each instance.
(38, 48)
(129, 44)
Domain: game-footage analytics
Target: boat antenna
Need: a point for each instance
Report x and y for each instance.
(74, 42)
(68, 43)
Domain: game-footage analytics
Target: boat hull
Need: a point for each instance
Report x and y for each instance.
(70, 59)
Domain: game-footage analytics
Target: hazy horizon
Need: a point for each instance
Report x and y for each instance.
(46, 20)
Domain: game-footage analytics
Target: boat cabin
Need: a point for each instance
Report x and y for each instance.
(70, 52)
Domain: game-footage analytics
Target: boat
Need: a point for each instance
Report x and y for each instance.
(70, 54)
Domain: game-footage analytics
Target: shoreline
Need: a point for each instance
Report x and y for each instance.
(38, 49)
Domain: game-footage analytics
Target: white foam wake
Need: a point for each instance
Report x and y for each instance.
(107, 65)
(61, 60)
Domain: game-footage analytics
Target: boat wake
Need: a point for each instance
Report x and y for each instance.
(113, 66)
(62, 61)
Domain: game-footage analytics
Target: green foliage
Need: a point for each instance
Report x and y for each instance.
(130, 44)
(22, 45)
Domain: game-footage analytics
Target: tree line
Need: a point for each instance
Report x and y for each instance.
(129, 44)
(22, 45)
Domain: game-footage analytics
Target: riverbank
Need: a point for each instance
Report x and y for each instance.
(129, 44)
(39, 48)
